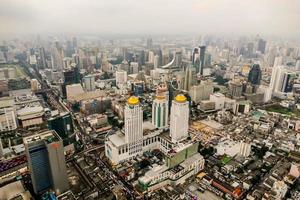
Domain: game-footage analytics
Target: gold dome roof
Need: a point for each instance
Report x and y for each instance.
(160, 97)
(180, 98)
(133, 100)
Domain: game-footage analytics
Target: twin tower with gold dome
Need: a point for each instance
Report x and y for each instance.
(179, 117)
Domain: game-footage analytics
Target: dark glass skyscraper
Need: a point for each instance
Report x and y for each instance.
(202, 58)
(254, 75)
(261, 46)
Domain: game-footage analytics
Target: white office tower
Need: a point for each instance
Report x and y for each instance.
(121, 77)
(277, 78)
(179, 120)
(133, 115)
(156, 61)
(278, 61)
(89, 83)
(160, 111)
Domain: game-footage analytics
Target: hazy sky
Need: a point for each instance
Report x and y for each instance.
(276, 17)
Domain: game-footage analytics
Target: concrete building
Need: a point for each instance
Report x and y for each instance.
(235, 88)
(89, 83)
(46, 162)
(30, 116)
(134, 67)
(35, 85)
(160, 111)
(74, 90)
(121, 77)
(245, 149)
(277, 78)
(179, 120)
(156, 61)
(7, 120)
(190, 78)
(202, 91)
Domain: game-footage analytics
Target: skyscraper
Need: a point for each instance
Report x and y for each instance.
(46, 162)
(254, 75)
(190, 77)
(277, 78)
(89, 83)
(149, 43)
(160, 111)
(133, 115)
(156, 61)
(202, 59)
(179, 120)
(261, 46)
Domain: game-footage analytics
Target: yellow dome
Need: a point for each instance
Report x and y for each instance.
(180, 98)
(160, 97)
(133, 100)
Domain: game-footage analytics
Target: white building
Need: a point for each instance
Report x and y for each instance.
(179, 120)
(133, 127)
(277, 78)
(201, 92)
(121, 77)
(278, 61)
(134, 67)
(89, 83)
(245, 149)
(7, 119)
(160, 112)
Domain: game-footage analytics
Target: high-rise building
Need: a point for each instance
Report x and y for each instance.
(254, 75)
(160, 111)
(156, 61)
(46, 162)
(288, 82)
(277, 78)
(278, 61)
(190, 77)
(134, 67)
(133, 125)
(177, 59)
(43, 63)
(261, 46)
(63, 126)
(179, 120)
(235, 88)
(89, 83)
(149, 43)
(121, 77)
(201, 92)
(202, 59)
